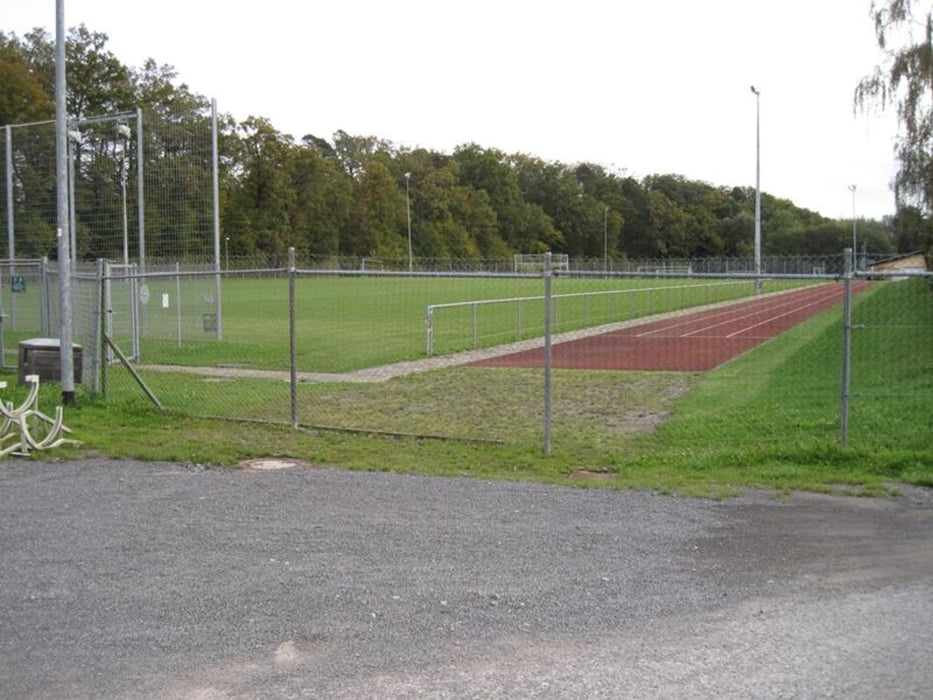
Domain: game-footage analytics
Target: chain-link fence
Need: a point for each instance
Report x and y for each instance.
(370, 352)
(140, 187)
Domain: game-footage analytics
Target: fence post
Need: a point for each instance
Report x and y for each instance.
(846, 346)
(45, 304)
(518, 319)
(106, 315)
(106, 320)
(429, 330)
(98, 328)
(292, 342)
(547, 353)
(178, 302)
(137, 309)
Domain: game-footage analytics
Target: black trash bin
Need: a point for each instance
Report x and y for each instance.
(42, 356)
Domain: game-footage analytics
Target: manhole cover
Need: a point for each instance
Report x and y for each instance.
(271, 464)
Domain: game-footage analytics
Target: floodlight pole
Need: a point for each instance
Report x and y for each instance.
(408, 210)
(757, 94)
(854, 232)
(606, 239)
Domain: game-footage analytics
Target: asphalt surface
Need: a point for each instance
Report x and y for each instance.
(125, 580)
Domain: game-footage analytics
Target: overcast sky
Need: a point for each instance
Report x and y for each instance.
(640, 87)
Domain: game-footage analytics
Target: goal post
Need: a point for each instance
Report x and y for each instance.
(526, 263)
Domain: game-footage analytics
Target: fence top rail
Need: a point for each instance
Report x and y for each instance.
(622, 274)
(171, 274)
(83, 120)
(414, 273)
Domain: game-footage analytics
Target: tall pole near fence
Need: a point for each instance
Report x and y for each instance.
(9, 193)
(606, 239)
(547, 353)
(140, 191)
(292, 340)
(63, 238)
(757, 94)
(215, 213)
(408, 210)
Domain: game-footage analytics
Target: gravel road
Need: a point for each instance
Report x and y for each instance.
(122, 579)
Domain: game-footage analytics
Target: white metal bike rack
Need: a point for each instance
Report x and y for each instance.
(25, 428)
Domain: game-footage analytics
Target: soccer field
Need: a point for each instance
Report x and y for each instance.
(352, 322)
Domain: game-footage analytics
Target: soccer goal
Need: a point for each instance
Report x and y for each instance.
(534, 262)
(667, 269)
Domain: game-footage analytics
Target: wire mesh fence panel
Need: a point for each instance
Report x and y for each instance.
(178, 200)
(761, 368)
(140, 186)
(24, 296)
(892, 365)
(370, 331)
(29, 202)
(24, 305)
(178, 315)
(197, 360)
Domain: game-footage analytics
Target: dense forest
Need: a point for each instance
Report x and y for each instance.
(353, 195)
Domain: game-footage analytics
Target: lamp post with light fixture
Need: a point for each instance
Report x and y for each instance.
(408, 210)
(757, 94)
(606, 239)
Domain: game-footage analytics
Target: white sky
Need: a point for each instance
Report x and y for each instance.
(639, 86)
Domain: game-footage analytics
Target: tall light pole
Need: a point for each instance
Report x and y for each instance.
(62, 209)
(757, 94)
(854, 234)
(606, 239)
(408, 209)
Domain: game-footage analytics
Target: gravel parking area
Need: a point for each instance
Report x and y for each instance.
(123, 579)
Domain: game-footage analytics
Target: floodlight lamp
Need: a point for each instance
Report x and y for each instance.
(407, 176)
(123, 130)
(755, 90)
(76, 136)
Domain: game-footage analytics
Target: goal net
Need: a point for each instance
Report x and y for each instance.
(534, 262)
(666, 269)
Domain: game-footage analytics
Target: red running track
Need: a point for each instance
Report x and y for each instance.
(691, 342)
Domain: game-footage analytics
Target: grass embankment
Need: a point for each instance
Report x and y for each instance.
(769, 419)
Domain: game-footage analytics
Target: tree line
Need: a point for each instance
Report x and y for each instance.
(353, 195)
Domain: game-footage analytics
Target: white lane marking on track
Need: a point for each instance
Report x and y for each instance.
(731, 317)
(774, 318)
